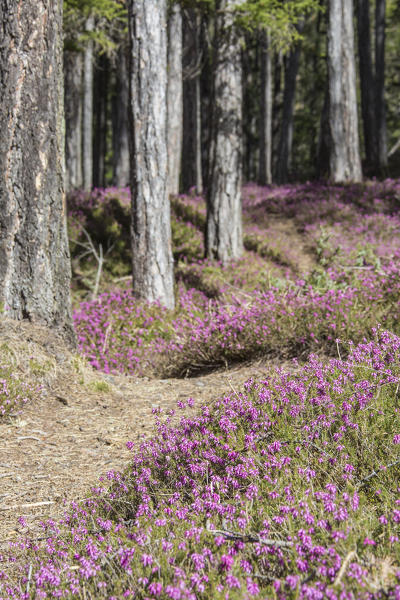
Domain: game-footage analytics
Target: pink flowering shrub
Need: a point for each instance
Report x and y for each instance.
(286, 489)
(14, 392)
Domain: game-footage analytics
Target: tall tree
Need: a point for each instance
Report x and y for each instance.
(345, 163)
(87, 117)
(34, 257)
(367, 82)
(224, 206)
(120, 103)
(152, 263)
(73, 62)
(380, 107)
(286, 133)
(175, 101)
(192, 173)
(265, 156)
(100, 119)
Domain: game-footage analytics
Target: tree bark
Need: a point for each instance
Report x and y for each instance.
(277, 102)
(224, 238)
(175, 100)
(265, 164)
(34, 257)
(286, 134)
(73, 63)
(380, 107)
(367, 82)
(87, 118)
(324, 140)
(345, 163)
(152, 262)
(250, 115)
(192, 175)
(120, 138)
(101, 84)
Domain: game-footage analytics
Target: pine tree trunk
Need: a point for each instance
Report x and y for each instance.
(34, 257)
(367, 82)
(265, 173)
(120, 122)
(175, 101)
(324, 140)
(380, 107)
(224, 239)
(191, 146)
(101, 82)
(277, 102)
(152, 262)
(250, 125)
(87, 117)
(345, 163)
(286, 135)
(73, 62)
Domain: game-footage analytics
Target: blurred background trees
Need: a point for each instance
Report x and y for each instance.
(257, 90)
(287, 106)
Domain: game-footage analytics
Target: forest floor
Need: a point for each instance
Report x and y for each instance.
(77, 428)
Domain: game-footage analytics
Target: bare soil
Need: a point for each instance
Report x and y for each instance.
(75, 431)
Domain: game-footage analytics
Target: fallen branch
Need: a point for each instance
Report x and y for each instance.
(342, 570)
(28, 505)
(376, 473)
(249, 538)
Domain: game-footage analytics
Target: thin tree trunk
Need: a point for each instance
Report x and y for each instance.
(277, 102)
(345, 163)
(175, 101)
(224, 238)
(152, 262)
(101, 82)
(286, 135)
(87, 118)
(192, 146)
(324, 140)
(367, 82)
(265, 163)
(34, 257)
(380, 107)
(73, 62)
(120, 122)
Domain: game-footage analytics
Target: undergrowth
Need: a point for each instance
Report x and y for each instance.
(286, 489)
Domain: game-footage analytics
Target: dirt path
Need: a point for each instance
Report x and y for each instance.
(63, 441)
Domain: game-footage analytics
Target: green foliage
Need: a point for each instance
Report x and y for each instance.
(279, 18)
(110, 19)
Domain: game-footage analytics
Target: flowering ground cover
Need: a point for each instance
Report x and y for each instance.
(14, 392)
(286, 489)
(322, 262)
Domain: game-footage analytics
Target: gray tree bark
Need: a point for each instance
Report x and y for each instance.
(87, 117)
(367, 82)
(224, 237)
(175, 100)
(192, 174)
(152, 263)
(345, 163)
(286, 135)
(34, 257)
(120, 137)
(73, 63)
(100, 117)
(324, 140)
(380, 12)
(265, 164)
